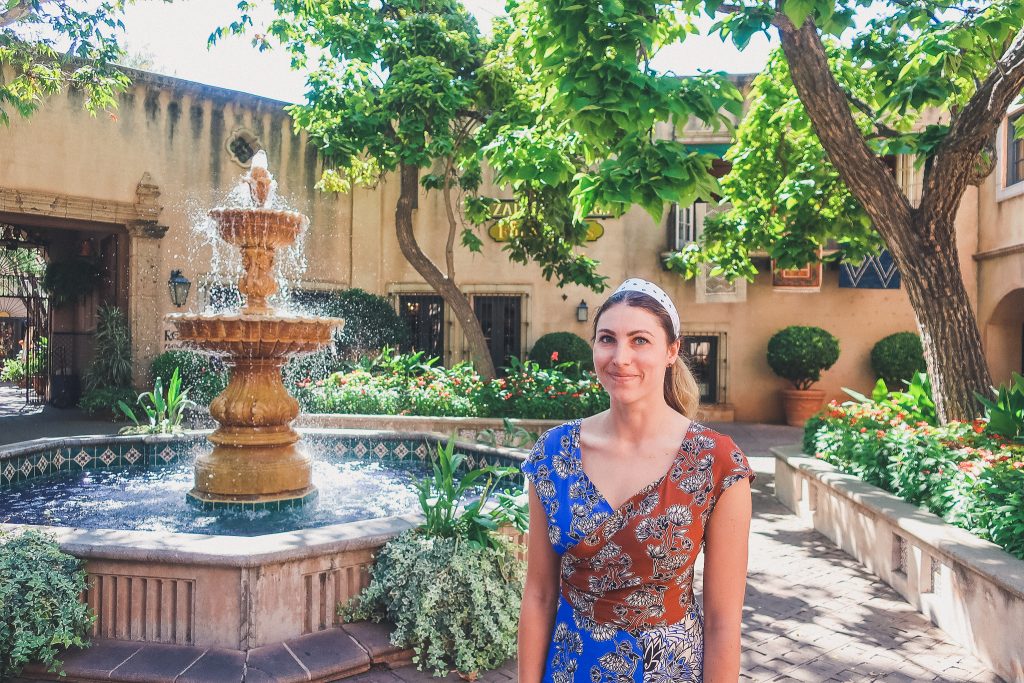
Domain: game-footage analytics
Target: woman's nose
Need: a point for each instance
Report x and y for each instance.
(622, 355)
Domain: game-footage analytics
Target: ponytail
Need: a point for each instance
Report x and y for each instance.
(681, 391)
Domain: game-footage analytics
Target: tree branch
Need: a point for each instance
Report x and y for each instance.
(17, 12)
(883, 130)
(970, 129)
(829, 110)
(449, 212)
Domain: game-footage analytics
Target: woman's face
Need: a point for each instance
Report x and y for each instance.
(632, 353)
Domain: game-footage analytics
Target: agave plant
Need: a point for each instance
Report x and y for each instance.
(441, 498)
(1006, 413)
(164, 413)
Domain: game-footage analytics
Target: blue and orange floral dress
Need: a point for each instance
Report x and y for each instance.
(627, 611)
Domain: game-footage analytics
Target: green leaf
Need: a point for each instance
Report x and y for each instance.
(798, 10)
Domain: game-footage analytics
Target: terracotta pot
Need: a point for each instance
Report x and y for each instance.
(800, 404)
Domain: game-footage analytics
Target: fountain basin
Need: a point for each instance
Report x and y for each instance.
(216, 589)
(254, 336)
(258, 227)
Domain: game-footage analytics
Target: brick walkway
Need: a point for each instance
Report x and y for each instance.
(812, 612)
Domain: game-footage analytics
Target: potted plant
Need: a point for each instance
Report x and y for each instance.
(68, 282)
(799, 353)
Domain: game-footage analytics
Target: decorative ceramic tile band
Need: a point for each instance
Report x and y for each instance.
(23, 462)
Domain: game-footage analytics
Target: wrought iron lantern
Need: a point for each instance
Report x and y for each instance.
(582, 312)
(178, 285)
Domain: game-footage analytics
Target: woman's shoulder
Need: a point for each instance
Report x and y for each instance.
(728, 461)
(712, 439)
(562, 437)
(559, 439)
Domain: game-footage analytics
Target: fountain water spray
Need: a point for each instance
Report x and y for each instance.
(257, 460)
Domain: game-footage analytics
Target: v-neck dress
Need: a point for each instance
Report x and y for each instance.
(626, 610)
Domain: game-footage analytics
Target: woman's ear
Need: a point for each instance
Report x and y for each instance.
(673, 350)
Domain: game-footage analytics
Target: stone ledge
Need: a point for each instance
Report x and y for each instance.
(329, 655)
(965, 585)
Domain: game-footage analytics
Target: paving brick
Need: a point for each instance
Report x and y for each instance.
(155, 663)
(215, 666)
(273, 663)
(329, 655)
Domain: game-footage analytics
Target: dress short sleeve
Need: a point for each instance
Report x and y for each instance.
(730, 466)
(538, 470)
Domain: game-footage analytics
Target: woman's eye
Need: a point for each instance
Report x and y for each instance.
(604, 339)
(641, 340)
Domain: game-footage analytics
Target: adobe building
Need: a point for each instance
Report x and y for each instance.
(132, 188)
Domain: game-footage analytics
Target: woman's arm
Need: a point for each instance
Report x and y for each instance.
(725, 580)
(540, 597)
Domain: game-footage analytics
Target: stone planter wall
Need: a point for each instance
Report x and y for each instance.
(968, 587)
(464, 427)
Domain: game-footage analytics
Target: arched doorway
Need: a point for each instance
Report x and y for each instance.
(1004, 337)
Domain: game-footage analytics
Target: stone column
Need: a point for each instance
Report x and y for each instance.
(146, 282)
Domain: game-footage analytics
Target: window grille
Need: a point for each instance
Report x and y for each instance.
(705, 353)
(1014, 152)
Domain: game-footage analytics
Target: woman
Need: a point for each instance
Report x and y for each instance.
(620, 505)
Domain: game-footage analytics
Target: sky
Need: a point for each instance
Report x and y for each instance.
(174, 37)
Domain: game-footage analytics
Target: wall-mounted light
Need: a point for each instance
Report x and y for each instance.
(178, 285)
(582, 312)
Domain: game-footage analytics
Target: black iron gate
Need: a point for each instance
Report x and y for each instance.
(25, 336)
(501, 319)
(424, 314)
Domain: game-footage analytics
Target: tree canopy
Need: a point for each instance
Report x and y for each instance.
(927, 78)
(49, 45)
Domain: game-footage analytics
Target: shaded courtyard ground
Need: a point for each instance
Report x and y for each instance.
(812, 613)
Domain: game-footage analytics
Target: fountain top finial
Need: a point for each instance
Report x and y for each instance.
(259, 179)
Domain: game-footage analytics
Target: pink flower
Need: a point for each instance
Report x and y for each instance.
(554, 356)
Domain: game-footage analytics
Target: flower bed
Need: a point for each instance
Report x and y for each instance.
(528, 391)
(963, 472)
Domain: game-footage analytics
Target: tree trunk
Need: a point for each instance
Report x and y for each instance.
(443, 285)
(922, 240)
(949, 329)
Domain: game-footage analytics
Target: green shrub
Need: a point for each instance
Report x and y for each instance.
(111, 364)
(39, 605)
(914, 404)
(562, 347)
(164, 412)
(799, 353)
(103, 402)
(455, 604)
(13, 370)
(370, 320)
(202, 375)
(310, 367)
(963, 472)
(409, 385)
(452, 587)
(897, 357)
(1006, 414)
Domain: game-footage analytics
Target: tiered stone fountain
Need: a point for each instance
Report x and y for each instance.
(257, 460)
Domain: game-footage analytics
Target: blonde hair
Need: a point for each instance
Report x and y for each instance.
(681, 391)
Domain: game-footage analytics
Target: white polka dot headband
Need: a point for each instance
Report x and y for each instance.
(635, 284)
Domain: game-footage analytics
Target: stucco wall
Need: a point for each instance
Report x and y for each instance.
(177, 132)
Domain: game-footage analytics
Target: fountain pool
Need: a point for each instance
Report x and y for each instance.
(238, 578)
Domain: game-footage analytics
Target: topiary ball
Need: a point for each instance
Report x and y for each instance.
(799, 353)
(562, 347)
(897, 357)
